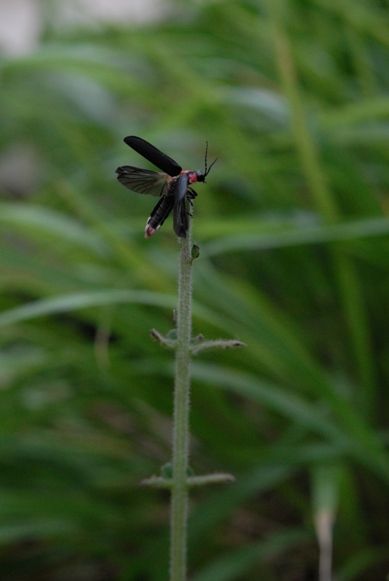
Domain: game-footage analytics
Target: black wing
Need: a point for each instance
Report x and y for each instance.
(180, 211)
(154, 155)
(181, 187)
(143, 181)
(180, 219)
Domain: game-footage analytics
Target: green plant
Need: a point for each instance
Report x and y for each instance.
(85, 404)
(177, 476)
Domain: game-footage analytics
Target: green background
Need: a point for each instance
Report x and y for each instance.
(293, 99)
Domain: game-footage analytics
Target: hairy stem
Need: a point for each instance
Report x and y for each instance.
(179, 490)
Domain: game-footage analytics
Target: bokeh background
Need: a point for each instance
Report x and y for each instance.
(292, 225)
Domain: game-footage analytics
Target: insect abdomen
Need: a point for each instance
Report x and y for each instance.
(158, 215)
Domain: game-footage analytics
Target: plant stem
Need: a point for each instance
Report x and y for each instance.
(179, 491)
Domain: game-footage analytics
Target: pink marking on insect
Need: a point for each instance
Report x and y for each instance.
(149, 230)
(192, 175)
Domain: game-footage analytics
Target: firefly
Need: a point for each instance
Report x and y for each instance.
(173, 185)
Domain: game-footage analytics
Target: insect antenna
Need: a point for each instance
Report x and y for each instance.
(206, 168)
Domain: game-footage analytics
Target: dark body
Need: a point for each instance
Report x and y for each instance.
(172, 185)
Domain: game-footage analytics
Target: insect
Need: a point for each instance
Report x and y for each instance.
(173, 185)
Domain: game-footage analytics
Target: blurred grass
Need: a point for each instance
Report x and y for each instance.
(293, 232)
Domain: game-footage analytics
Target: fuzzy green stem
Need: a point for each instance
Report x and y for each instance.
(191, 481)
(179, 490)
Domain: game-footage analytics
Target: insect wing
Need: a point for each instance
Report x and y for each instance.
(154, 155)
(181, 187)
(180, 219)
(180, 211)
(143, 181)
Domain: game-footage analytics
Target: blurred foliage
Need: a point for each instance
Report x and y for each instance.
(293, 99)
